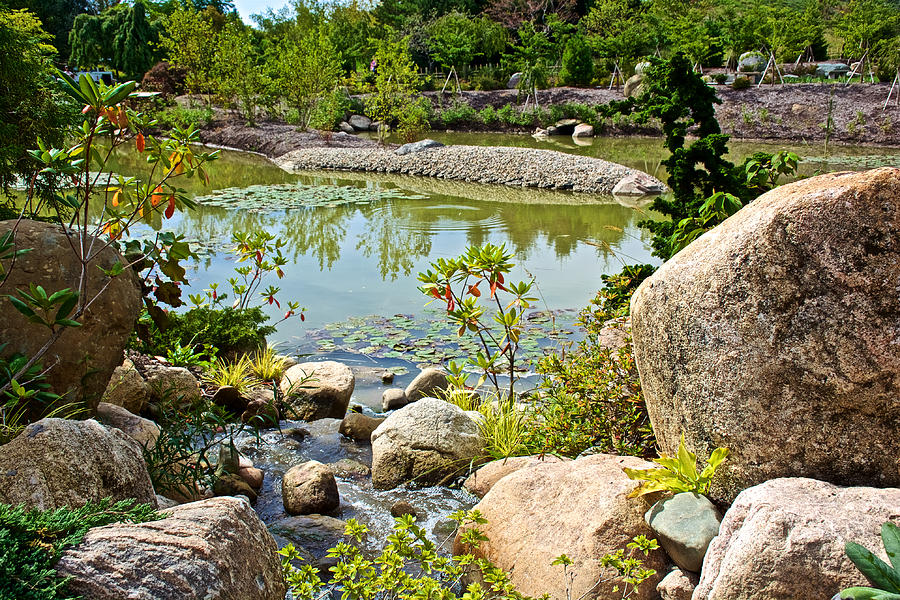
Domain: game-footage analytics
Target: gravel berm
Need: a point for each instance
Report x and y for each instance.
(518, 167)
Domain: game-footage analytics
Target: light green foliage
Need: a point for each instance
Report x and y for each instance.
(628, 569)
(31, 541)
(396, 89)
(266, 365)
(620, 29)
(189, 40)
(714, 210)
(678, 474)
(885, 578)
(238, 373)
(305, 67)
(409, 566)
(236, 70)
(458, 281)
(31, 105)
(864, 23)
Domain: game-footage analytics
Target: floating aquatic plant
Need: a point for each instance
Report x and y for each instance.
(265, 198)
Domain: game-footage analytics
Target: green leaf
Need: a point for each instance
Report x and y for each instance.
(890, 536)
(119, 93)
(875, 570)
(22, 308)
(66, 307)
(867, 593)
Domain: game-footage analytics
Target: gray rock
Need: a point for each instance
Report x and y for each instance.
(172, 385)
(346, 127)
(252, 476)
(309, 488)
(583, 130)
(514, 80)
(426, 384)
(144, 431)
(426, 442)
(552, 130)
(540, 133)
(317, 390)
(359, 427)
(751, 62)
(61, 462)
(565, 126)
(784, 540)
(393, 398)
(684, 524)
(832, 70)
(678, 585)
(82, 361)
(387, 378)
(777, 338)
(360, 122)
(638, 184)
(416, 147)
(216, 549)
(348, 468)
(127, 388)
(232, 484)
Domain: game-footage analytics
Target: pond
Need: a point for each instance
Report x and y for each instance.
(355, 242)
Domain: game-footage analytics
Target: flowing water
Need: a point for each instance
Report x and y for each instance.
(355, 243)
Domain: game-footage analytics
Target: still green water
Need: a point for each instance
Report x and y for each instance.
(356, 250)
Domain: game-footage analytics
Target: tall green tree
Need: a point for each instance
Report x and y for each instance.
(577, 62)
(396, 100)
(31, 105)
(237, 72)
(189, 41)
(56, 17)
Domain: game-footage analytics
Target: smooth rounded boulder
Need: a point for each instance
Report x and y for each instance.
(578, 508)
(309, 488)
(776, 335)
(482, 480)
(216, 549)
(427, 384)
(60, 462)
(127, 388)
(317, 390)
(144, 431)
(83, 359)
(426, 443)
(784, 540)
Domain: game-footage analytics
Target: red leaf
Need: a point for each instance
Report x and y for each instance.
(493, 288)
(302, 317)
(139, 142)
(473, 289)
(448, 294)
(170, 209)
(500, 277)
(435, 293)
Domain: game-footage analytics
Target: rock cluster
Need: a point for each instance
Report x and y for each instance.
(519, 167)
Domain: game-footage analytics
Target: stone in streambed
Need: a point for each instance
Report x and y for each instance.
(317, 390)
(393, 398)
(428, 383)
(359, 427)
(309, 488)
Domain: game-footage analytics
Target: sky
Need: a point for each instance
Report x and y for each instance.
(250, 7)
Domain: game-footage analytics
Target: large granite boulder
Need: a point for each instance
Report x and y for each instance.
(60, 462)
(216, 549)
(577, 508)
(784, 540)
(777, 334)
(83, 358)
(172, 385)
(426, 442)
(317, 390)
